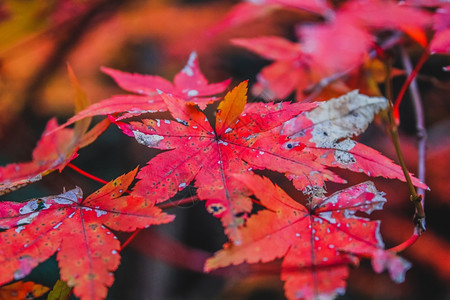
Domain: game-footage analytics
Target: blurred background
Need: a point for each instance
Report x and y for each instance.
(38, 39)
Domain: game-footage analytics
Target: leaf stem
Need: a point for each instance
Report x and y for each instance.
(177, 203)
(128, 241)
(419, 216)
(412, 75)
(406, 244)
(420, 122)
(86, 174)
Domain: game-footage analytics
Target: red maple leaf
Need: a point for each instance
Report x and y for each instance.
(283, 76)
(250, 137)
(209, 156)
(375, 15)
(326, 131)
(441, 40)
(339, 45)
(316, 242)
(249, 10)
(75, 228)
(189, 84)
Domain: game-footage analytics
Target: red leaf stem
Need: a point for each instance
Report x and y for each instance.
(128, 241)
(405, 86)
(406, 244)
(178, 202)
(86, 174)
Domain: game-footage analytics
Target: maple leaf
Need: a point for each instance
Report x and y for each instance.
(189, 84)
(206, 155)
(316, 242)
(324, 134)
(60, 291)
(247, 11)
(299, 67)
(75, 228)
(55, 149)
(425, 3)
(388, 15)
(326, 131)
(279, 79)
(441, 24)
(22, 290)
(250, 137)
(351, 32)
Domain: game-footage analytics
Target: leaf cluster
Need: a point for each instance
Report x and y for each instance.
(317, 236)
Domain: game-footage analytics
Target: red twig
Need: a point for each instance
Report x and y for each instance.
(406, 244)
(257, 202)
(405, 86)
(420, 125)
(86, 174)
(178, 202)
(260, 204)
(130, 239)
(90, 176)
(416, 199)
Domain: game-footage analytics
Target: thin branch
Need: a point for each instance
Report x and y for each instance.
(419, 216)
(161, 206)
(420, 122)
(128, 241)
(86, 174)
(406, 244)
(177, 203)
(164, 205)
(315, 90)
(412, 75)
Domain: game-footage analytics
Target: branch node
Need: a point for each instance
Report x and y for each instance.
(419, 224)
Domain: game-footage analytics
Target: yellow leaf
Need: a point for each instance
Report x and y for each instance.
(60, 291)
(231, 107)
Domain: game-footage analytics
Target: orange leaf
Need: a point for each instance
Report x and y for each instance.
(231, 107)
(22, 290)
